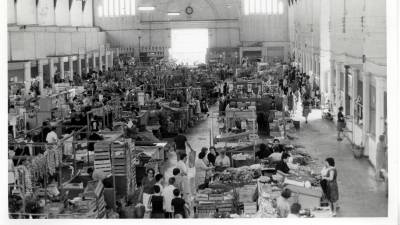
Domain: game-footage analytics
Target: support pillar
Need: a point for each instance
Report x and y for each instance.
(353, 105)
(27, 77)
(94, 61)
(100, 59)
(52, 71)
(366, 108)
(40, 76)
(71, 68)
(87, 63)
(79, 66)
(111, 59)
(380, 106)
(338, 99)
(61, 62)
(107, 61)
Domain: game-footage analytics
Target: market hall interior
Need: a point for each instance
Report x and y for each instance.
(279, 105)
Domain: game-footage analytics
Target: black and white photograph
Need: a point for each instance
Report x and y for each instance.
(201, 109)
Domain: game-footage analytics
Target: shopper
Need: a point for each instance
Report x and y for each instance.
(180, 143)
(212, 155)
(294, 210)
(306, 107)
(264, 152)
(282, 166)
(176, 172)
(156, 204)
(332, 186)
(380, 157)
(52, 136)
(148, 183)
(201, 170)
(159, 182)
(283, 205)
(178, 204)
(341, 123)
(168, 196)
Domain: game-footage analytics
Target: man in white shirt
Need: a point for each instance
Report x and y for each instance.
(168, 194)
(52, 136)
(222, 160)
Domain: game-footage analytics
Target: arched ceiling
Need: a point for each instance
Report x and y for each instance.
(203, 9)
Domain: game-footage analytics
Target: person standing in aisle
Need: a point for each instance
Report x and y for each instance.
(306, 107)
(160, 182)
(331, 184)
(168, 196)
(201, 170)
(181, 143)
(156, 204)
(148, 183)
(341, 123)
(178, 204)
(380, 156)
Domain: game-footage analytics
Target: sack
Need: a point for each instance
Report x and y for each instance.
(149, 205)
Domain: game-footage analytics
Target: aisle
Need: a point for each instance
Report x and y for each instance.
(359, 193)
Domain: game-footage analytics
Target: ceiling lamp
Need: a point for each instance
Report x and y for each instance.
(173, 14)
(146, 8)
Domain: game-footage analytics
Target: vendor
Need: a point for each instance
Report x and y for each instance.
(93, 137)
(282, 165)
(52, 136)
(223, 160)
(264, 152)
(201, 169)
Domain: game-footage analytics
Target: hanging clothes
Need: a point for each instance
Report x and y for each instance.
(53, 158)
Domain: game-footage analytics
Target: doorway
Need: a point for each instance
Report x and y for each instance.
(189, 46)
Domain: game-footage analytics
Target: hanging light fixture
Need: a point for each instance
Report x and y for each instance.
(146, 8)
(173, 13)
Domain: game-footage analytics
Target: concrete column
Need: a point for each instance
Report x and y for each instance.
(40, 76)
(71, 68)
(79, 66)
(52, 71)
(338, 99)
(94, 61)
(353, 106)
(87, 63)
(380, 106)
(100, 59)
(61, 62)
(118, 51)
(366, 102)
(27, 76)
(111, 59)
(107, 60)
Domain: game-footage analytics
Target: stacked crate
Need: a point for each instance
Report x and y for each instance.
(102, 160)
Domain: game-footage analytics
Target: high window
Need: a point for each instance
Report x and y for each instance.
(263, 7)
(116, 8)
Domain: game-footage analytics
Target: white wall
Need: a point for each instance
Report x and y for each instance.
(28, 45)
(11, 12)
(45, 12)
(25, 12)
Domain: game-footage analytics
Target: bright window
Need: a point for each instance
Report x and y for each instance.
(133, 7)
(263, 6)
(111, 8)
(274, 6)
(100, 11)
(116, 7)
(189, 46)
(122, 7)
(269, 7)
(280, 7)
(106, 11)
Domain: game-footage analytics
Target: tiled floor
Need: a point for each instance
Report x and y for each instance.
(359, 194)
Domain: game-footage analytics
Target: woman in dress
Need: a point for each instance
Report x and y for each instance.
(306, 107)
(341, 123)
(331, 184)
(201, 169)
